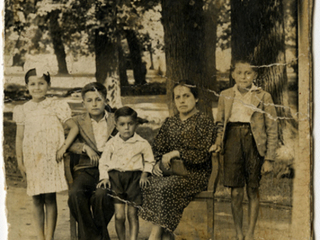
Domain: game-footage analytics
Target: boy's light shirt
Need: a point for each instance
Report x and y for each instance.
(135, 154)
(242, 109)
(100, 131)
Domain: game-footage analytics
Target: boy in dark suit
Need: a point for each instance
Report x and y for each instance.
(95, 128)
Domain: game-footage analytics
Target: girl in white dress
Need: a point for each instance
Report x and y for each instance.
(40, 145)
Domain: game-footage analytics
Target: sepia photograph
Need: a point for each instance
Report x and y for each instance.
(158, 119)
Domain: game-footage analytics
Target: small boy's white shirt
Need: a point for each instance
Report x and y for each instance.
(135, 154)
(242, 108)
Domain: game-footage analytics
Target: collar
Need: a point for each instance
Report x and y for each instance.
(104, 118)
(43, 104)
(253, 88)
(133, 139)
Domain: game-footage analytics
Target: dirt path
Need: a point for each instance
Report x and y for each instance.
(272, 224)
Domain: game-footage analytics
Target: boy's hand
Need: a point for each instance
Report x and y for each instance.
(156, 170)
(214, 148)
(144, 182)
(60, 153)
(267, 167)
(104, 183)
(22, 169)
(94, 157)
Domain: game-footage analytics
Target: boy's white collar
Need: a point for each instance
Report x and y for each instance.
(134, 138)
(253, 88)
(105, 117)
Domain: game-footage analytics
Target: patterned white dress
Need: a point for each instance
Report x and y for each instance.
(43, 135)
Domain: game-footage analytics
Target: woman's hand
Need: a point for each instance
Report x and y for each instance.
(267, 167)
(156, 170)
(94, 157)
(215, 148)
(104, 183)
(166, 158)
(144, 182)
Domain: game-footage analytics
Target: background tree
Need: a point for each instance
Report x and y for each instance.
(260, 36)
(139, 71)
(45, 16)
(184, 24)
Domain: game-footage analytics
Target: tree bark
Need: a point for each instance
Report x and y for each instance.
(55, 32)
(258, 34)
(135, 56)
(185, 48)
(106, 55)
(151, 56)
(122, 64)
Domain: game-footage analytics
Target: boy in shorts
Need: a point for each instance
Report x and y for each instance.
(248, 138)
(125, 164)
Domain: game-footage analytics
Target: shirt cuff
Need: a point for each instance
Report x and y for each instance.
(103, 176)
(148, 168)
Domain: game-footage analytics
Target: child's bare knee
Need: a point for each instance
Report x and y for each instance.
(253, 193)
(237, 193)
(120, 217)
(132, 213)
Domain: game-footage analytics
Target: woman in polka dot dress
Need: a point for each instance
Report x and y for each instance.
(187, 136)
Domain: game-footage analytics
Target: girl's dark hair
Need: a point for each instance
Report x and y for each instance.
(126, 112)
(187, 83)
(33, 72)
(93, 87)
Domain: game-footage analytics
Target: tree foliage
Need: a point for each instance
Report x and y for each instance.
(80, 22)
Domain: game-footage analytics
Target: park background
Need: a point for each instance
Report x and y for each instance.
(139, 48)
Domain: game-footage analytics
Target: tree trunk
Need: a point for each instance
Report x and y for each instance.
(211, 12)
(151, 56)
(55, 32)
(258, 34)
(122, 64)
(105, 51)
(185, 48)
(139, 71)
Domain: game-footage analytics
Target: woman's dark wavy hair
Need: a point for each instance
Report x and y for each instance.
(33, 72)
(189, 84)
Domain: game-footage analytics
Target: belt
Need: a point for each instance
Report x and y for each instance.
(238, 124)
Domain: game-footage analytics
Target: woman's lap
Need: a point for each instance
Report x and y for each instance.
(166, 197)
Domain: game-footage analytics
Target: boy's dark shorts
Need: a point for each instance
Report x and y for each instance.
(242, 161)
(125, 185)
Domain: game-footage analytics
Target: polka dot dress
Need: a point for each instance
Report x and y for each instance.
(166, 197)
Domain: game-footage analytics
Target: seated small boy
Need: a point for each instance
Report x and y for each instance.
(124, 166)
(247, 136)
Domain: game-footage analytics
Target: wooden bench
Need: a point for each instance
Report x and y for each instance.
(208, 196)
(68, 164)
(205, 196)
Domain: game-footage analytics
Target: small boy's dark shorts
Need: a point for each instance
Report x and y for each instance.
(125, 185)
(242, 161)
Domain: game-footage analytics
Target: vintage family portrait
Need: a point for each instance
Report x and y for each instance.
(158, 119)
